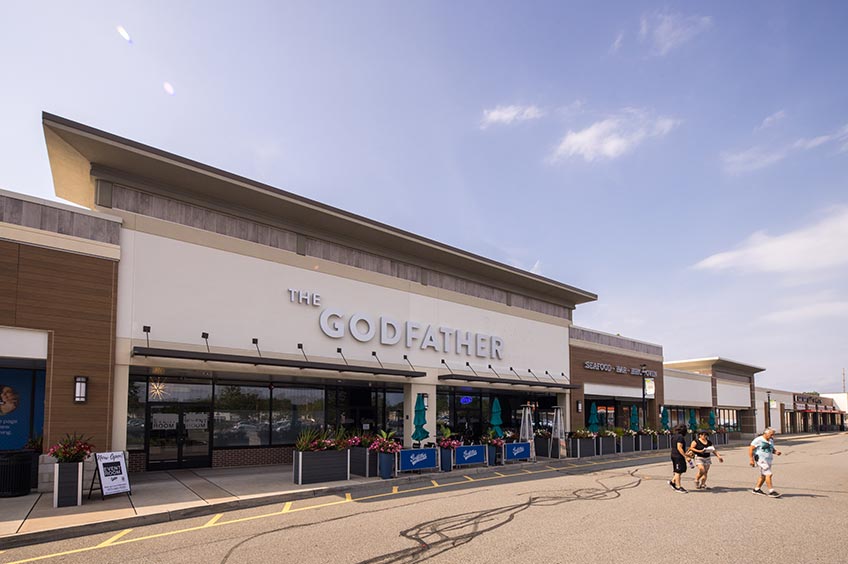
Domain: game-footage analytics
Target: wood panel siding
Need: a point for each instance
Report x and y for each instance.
(74, 297)
(580, 375)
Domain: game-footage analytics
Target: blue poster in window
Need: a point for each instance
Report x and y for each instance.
(15, 408)
(517, 451)
(475, 454)
(417, 459)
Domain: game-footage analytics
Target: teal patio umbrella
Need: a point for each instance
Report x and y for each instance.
(420, 433)
(712, 420)
(593, 418)
(693, 421)
(664, 419)
(496, 420)
(634, 418)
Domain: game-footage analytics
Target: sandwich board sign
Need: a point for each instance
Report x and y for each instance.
(112, 471)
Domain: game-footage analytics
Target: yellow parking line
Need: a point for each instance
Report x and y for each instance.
(286, 508)
(501, 475)
(110, 540)
(394, 489)
(435, 483)
(469, 478)
(348, 497)
(213, 520)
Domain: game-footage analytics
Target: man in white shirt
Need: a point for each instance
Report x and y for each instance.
(761, 452)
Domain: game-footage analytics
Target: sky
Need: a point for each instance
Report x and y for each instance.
(687, 162)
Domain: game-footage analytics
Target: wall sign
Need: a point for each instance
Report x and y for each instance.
(807, 399)
(604, 367)
(112, 469)
(650, 388)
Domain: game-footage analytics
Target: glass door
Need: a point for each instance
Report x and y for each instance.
(179, 436)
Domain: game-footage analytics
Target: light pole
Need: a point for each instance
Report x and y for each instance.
(644, 373)
(768, 408)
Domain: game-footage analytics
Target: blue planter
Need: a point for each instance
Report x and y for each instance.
(492, 453)
(386, 465)
(446, 459)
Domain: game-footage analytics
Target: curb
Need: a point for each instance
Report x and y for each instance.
(38, 537)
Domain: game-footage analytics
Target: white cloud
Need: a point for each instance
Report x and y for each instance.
(506, 115)
(809, 312)
(823, 245)
(772, 119)
(751, 159)
(614, 136)
(666, 32)
(616, 45)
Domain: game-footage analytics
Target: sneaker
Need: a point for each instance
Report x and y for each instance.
(681, 489)
(758, 491)
(670, 483)
(773, 493)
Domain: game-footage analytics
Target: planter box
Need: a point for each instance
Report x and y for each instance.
(606, 445)
(719, 439)
(645, 442)
(581, 448)
(385, 464)
(363, 462)
(67, 484)
(626, 444)
(543, 447)
(321, 466)
(663, 442)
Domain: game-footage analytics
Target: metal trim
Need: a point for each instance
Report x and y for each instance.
(487, 380)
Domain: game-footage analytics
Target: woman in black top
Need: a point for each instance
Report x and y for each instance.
(702, 448)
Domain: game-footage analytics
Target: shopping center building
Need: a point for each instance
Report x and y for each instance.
(196, 318)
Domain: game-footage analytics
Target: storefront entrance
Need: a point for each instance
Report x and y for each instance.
(180, 435)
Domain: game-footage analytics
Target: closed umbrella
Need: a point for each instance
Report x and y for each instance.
(496, 420)
(664, 419)
(593, 418)
(634, 418)
(420, 433)
(693, 421)
(712, 420)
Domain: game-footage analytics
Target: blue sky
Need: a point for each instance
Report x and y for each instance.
(686, 162)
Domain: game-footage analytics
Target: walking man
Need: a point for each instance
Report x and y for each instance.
(678, 458)
(761, 452)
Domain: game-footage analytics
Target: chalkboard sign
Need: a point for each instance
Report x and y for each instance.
(112, 471)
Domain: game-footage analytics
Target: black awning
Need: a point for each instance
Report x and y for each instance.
(282, 362)
(512, 382)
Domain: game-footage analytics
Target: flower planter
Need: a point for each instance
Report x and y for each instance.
(606, 445)
(719, 439)
(492, 454)
(645, 442)
(15, 468)
(363, 462)
(626, 444)
(67, 484)
(581, 448)
(386, 464)
(321, 466)
(446, 459)
(663, 442)
(543, 446)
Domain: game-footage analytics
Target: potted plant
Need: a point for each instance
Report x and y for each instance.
(664, 439)
(386, 448)
(626, 439)
(606, 441)
(646, 439)
(70, 452)
(446, 445)
(581, 443)
(542, 442)
(494, 445)
(35, 445)
(321, 457)
(363, 461)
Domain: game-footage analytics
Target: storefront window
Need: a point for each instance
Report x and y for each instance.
(727, 418)
(394, 412)
(241, 415)
(136, 400)
(295, 409)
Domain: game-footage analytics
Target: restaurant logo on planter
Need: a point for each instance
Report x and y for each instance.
(417, 459)
(518, 451)
(470, 455)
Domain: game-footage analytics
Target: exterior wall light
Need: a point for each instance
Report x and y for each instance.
(80, 389)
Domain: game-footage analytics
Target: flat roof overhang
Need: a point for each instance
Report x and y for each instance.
(713, 362)
(278, 362)
(511, 382)
(188, 178)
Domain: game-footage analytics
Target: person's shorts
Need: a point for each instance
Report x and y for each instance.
(702, 461)
(679, 465)
(764, 466)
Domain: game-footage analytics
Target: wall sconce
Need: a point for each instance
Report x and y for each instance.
(579, 406)
(426, 401)
(80, 389)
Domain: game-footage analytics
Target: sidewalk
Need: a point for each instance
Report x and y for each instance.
(179, 494)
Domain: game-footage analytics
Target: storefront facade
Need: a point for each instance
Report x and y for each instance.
(610, 370)
(245, 314)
